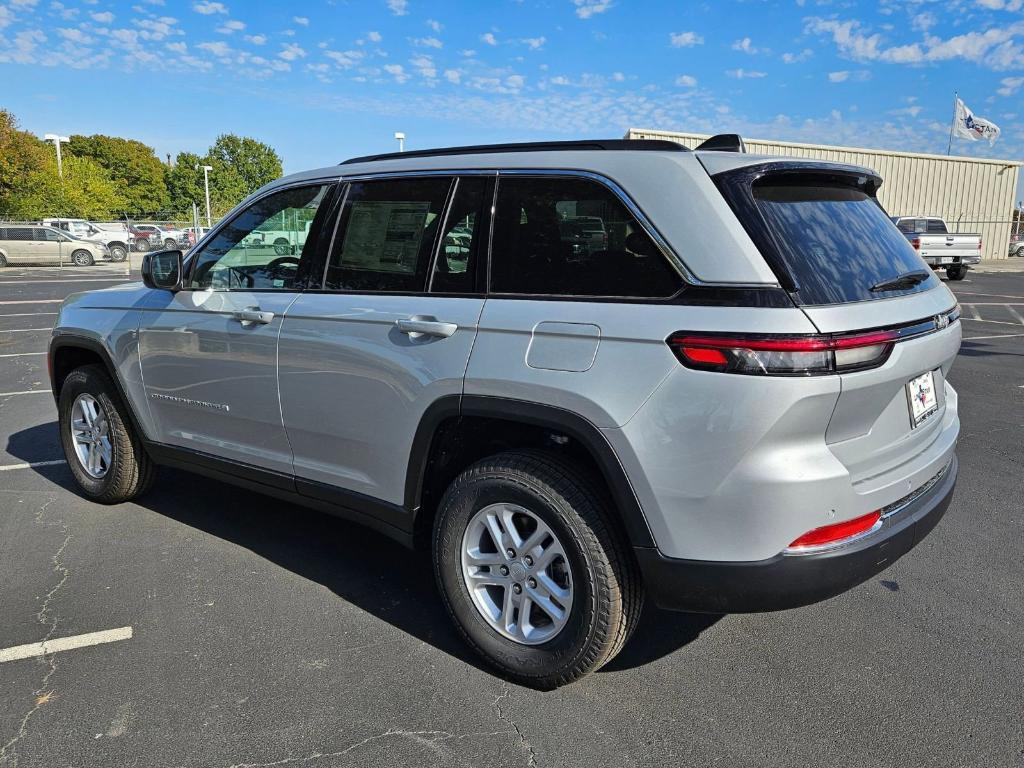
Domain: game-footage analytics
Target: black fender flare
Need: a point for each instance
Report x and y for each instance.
(552, 417)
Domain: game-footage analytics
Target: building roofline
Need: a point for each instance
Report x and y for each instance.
(841, 148)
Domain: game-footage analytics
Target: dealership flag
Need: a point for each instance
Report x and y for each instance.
(967, 126)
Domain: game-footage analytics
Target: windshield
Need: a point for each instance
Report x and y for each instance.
(828, 232)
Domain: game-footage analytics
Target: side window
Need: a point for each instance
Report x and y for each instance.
(462, 239)
(386, 235)
(260, 248)
(48, 235)
(573, 237)
(906, 225)
(19, 233)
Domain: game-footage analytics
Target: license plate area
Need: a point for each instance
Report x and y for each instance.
(922, 398)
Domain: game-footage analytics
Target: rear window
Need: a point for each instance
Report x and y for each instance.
(831, 236)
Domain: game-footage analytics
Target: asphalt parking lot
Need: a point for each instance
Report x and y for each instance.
(246, 632)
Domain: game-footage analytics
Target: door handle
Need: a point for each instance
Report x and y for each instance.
(419, 326)
(252, 316)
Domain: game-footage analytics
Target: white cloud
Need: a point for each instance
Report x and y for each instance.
(428, 42)
(397, 72)
(838, 77)
(180, 48)
(398, 7)
(231, 26)
(6, 17)
(741, 73)
(1010, 85)
(291, 52)
(618, 77)
(344, 59)
(745, 45)
(515, 81)
(559, 80)
(467, 52)
(75, 36)
(453, 76)
(587, 8)
(489, 38)
(219, 49)
(685, 39)
(686, 81)
(374, 37)
(103, 18)
(208, 8)
(256, 39)
(424, 65)
(793, 58)
(534, 43)
(437, 26)
(302, 21)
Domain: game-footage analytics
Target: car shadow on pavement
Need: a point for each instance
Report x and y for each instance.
(974, 349)
(361, 566)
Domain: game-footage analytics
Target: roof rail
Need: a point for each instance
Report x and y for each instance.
(650, 145)
(724, 142)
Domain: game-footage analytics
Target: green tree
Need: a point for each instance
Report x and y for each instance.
(131, 165)
(21, 153)
(85, 191)
(241, 165)
(185, 185)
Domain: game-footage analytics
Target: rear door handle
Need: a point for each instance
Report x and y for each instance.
(252, 316)
(419, 326)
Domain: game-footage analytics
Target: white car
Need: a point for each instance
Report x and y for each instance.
(118, 243)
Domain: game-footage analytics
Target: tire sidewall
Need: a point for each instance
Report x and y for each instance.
(84, 381)
(118, 253)
(524, 661)
(82, 258)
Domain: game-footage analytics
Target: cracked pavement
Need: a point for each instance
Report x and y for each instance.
(267, 635)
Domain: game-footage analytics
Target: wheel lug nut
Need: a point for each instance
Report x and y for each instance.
(528, 560)
(510, 552)
(504, 570)
(531, 583)
(517, 588)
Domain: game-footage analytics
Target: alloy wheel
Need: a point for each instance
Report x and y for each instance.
(90, 434)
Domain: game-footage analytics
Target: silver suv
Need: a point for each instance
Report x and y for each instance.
(738, 404)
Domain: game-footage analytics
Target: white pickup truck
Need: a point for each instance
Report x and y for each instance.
(118, 242)
(939, 247)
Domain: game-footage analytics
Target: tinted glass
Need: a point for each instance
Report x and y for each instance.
(386, 235)
(19, 233)
(835, 239)
(48, 234)
(573, 237)
(260, 249)
(461, 239)
(936, 227)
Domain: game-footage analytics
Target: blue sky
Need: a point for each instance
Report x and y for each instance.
(322, 80)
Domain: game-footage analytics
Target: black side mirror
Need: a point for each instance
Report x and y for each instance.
(163, 270)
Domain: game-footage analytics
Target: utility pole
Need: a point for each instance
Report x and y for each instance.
(401, 140)
(952, 124)
(206, 183)
(57, 141)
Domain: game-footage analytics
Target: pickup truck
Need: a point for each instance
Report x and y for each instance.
(118, 243)
(939, 247)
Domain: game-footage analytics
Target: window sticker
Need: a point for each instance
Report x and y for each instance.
(385, 236)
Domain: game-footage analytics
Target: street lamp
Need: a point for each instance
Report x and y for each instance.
(57, 141)
(401, 140)
(206, 183)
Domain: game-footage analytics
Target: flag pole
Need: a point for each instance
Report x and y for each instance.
(952, 123)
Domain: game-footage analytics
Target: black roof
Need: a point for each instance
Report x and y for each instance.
(650, 145)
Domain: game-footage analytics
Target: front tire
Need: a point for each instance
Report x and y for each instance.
(82, 258)
(118, 253)
(956, 273)
(170, 245)
(533, 570)
(106, 456)
(142, 245)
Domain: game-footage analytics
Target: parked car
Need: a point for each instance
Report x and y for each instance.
(27, 244)
(118, 243)
(1017, 244)
(940, 248)
(195, 234)
(151, 236)
(587, 234)
(742, 409)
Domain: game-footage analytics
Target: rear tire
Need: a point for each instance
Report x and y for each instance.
(118, 253)
(597, 590)
(1019, 252)
(124, 470)
(142, 245)
(170, 245)
(82, 258)
(956, 273)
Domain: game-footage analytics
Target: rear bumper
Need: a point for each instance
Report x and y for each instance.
(790, 581)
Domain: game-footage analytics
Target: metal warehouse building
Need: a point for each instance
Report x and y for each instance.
(971, 194)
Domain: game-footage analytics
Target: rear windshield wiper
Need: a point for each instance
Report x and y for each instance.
(906, 280)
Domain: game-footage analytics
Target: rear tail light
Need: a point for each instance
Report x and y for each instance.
(916, 242)
(829, 536)
(783, 355)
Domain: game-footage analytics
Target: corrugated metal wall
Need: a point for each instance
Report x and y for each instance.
(971, 194)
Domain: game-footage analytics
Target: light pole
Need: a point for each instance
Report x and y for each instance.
(206, 184)
(401, 140)
(57, 141)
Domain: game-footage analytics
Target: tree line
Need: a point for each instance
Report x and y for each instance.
(108, 177)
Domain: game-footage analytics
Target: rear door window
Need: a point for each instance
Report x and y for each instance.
(829, 235)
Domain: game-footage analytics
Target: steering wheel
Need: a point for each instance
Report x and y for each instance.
(282, 261)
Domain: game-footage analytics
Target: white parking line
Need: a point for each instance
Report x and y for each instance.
(991, 295)
(972, 320)
(33, 301)
(1001, 336)
(22, 354)
(31, 465)
(1015, 313)
(29, 314)
(25, 330)
(86, 280)
(974, 312)
(64, 644)
(25, 392)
